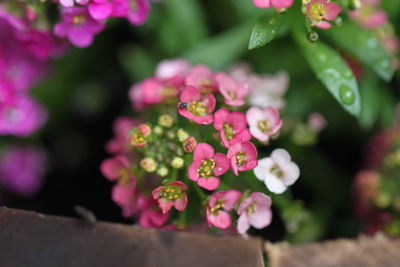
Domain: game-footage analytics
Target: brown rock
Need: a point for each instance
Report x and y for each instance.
(32, 239)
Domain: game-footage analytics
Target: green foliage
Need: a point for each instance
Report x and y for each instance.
(364, 45)
(333, 71)
(265, 30)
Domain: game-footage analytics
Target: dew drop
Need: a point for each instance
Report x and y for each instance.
(346, 95)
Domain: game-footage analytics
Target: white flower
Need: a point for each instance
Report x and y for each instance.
(277, 171)
(269, 90)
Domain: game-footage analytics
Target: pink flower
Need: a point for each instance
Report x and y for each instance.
(123, 192)
(232, 127)
(116, 168)
(78, 26)
(268, 90)
(135, 11)
(319, 12)
(207, 166)
(263, 123)
(202, 78)
(243, 157)
(254, 211)
(369, 15)
(168, 69)
(277, 171)
(316, 121)
(140, 135)
(120, 143)
(219, 206)
(171, 195)
(196, 107)
(22, 117)
(151, 91)
(22, 169)
(279, 4)
(233, 91)
(150, 214)
(70, 3)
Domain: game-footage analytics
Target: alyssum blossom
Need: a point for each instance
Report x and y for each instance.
(263, 123)
(78, 26)
(319, 12)
(232, 127)
(278, 4)
(207, 166)
(254, 211)
(277, 171)
(219, 205)
(196, 107)
(171, 195)
(243, 157)
(233, 91)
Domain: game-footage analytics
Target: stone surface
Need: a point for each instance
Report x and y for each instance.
(363, 252)
(32, 239)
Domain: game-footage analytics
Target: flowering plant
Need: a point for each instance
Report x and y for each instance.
(195, 149)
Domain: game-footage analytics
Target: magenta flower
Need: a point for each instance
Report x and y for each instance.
(207, 166)
(278, 4)
(70, 3)
(138, 11)
(202, 78)
(152, 91)
(196, 107)
(120, 143)
(319, 12)
(232, 127)
(243, 157)
(116, 168)
(171, 195)
(263, 123)
(123, 192)
(151, 215)
(254, 211)
(22, 169)
(219, 206)
(22, 117)
(78, 26)
(232, 90)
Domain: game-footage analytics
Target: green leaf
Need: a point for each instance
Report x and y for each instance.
(364, 46)
(371, 99)
(265, 30)
(333, 71)
(219, 51)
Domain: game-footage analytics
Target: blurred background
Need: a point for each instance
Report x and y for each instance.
(87, 89)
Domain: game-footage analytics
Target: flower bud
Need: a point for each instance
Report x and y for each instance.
(148, 164)
(312, 36)
(162, 171)
(182, 135)
(165, 120)
(171, 134)
(158, 130)
(140, 134)
(177, 162)
(189, 145)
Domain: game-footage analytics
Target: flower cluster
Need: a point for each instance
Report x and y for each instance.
(376, 198)
(319, 13)
(201, 145)
(24, 56)
(370, 16)
(81, 20)
(28, 42)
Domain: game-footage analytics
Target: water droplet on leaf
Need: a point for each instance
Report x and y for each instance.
(346, 95)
